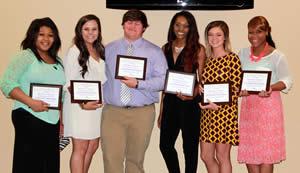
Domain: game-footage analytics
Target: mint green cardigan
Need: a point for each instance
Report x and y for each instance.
(24, 69)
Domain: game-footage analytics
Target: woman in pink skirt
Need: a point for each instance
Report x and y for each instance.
(262, 139)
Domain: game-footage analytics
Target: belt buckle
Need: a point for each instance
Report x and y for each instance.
(128, 107)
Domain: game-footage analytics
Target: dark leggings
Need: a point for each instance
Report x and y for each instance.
(186, 118)
(36, 148)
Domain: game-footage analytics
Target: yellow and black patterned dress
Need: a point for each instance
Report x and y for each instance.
(221, 126)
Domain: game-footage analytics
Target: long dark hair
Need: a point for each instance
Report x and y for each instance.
(263, 24)
(32, 35)
(192, 45)
(79, 42)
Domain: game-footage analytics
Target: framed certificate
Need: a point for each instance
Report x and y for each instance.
(131, 66)
(51, 94)
(180, 82)
(84, 91)
(255, 81)
(219, 93)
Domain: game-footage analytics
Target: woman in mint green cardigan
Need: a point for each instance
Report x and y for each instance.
(36, 126)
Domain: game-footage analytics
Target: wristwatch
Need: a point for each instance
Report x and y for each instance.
(137, 84)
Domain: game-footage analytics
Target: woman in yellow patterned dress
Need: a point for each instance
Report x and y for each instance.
(219, 123)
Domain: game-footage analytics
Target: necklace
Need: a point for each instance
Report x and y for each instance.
(254, 58)
(178, 49)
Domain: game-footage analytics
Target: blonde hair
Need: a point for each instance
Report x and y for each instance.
(224, 27)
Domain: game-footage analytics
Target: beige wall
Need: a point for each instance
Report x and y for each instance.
(15, 17)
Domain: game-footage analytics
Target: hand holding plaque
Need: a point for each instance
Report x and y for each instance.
(180, 82)
(219, 93)
(85, 91)
(255, 81)
(131, 66)
(48, 93)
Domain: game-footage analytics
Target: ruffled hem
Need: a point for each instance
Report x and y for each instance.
(261, 162)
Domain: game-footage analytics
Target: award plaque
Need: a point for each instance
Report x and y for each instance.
(131, 66)
(84, 91)
(51, 94)
(180, 82)
(219, 93)
(255, 81)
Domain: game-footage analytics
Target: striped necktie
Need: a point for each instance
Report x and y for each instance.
(125, 94)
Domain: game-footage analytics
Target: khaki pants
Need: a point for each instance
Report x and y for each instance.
(125, 136)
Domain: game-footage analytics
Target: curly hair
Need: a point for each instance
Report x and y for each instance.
(32, 35)
(79, 42)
